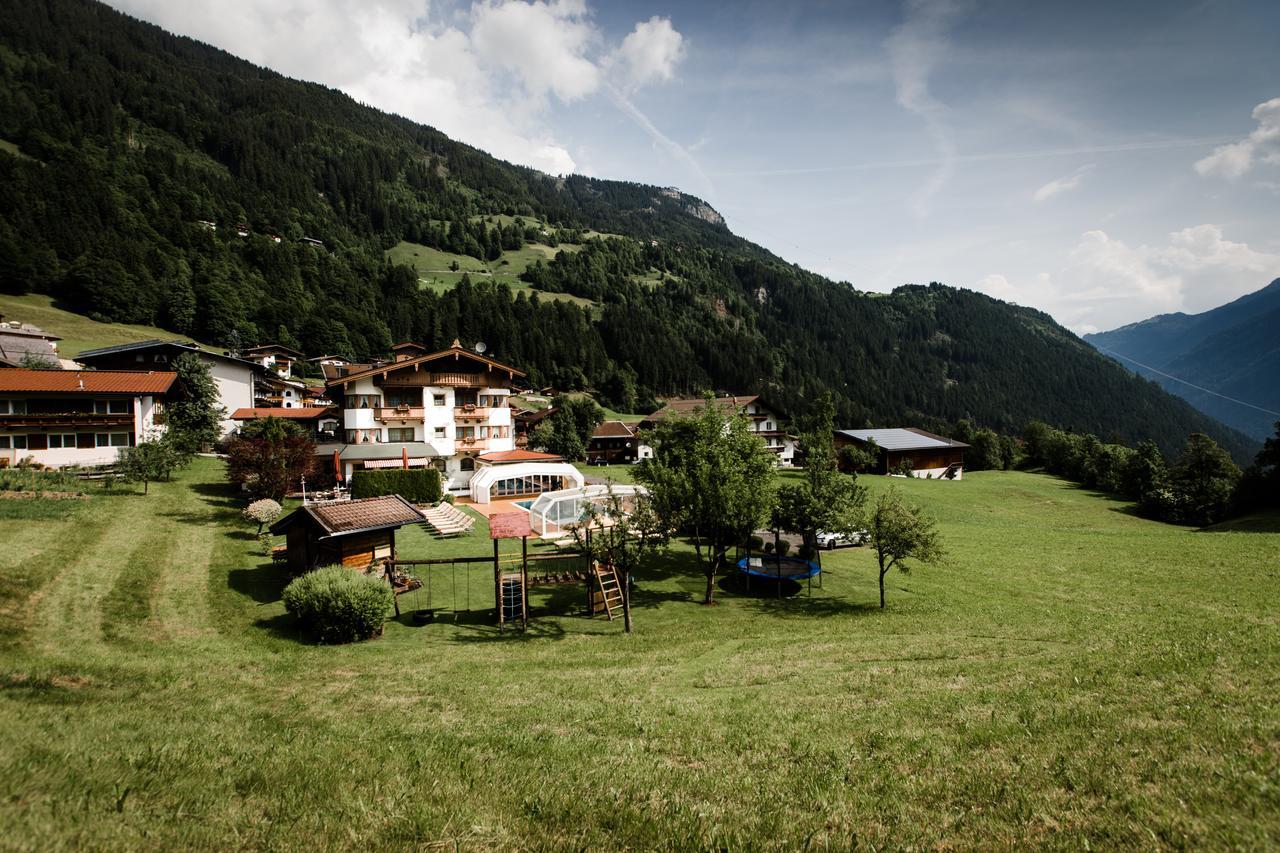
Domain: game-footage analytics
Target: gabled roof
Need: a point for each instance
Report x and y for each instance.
(86, 381)
(15, 348)
(270, 348)
(88, 355)
(505, 457)
(901, 438)
(26, 330)
(613, 429)
(306, 413)
(456, 351)
(689, 405)
(342, 518)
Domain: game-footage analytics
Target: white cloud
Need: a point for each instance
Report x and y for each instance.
(1061, 185)
(914, 47)
(1234, 160)
(1105, 282)
(544, 44)
(650, 53)
(455, 75)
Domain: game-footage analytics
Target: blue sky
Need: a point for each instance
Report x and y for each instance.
(1101, 161)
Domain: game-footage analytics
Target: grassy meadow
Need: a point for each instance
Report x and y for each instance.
(1073, 677)
(435, 273)
(77, 331)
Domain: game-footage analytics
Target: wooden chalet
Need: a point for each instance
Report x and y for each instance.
(353, 533)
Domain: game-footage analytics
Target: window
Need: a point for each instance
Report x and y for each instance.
(437, 399)
(467, 464)
(112, 439)
(400, 434)
(66, 440)
(363, 401)
(112, 407)
(13, 407)
(466, 432)
(16, 442)
(439, 432)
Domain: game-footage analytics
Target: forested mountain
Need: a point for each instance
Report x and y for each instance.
(1233, 349)
(120, 143)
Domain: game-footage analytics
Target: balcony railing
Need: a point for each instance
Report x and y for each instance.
(470, 412)
(469, 443)
(35, 419)
(399, 413)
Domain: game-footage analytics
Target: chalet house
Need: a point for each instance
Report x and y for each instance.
(348, 533)
(763, 421)
(279, 358)
(321, 423)
(526, 421)
(23, 343)
(616, 443)
(58, 418)
(442, 409)
(240, 383)
(333, 360)
(929, 455)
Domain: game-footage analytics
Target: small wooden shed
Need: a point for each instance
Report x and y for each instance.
(350, 533)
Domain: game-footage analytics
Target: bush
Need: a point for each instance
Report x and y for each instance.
(783, 547)
(262, 512)
(338, 605)
(754, 543)
(416, 485)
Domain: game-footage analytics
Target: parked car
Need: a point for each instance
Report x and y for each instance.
(832, 540)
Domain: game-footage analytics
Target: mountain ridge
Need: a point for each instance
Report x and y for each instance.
(1233, 350)
(129, 138)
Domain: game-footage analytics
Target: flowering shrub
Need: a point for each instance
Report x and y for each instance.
(262, 511)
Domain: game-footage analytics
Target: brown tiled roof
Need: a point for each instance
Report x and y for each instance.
(87, 381)
(613, 429)
(501, 456)
(343, 517)
(456, 351)
(693, 404)
(305, 413)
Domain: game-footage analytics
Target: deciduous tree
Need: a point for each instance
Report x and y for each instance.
(269, 457)
(901, 531)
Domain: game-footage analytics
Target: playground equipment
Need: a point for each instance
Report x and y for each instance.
(778, 569)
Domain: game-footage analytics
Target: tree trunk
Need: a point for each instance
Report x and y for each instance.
(711, 578)
(882, 590)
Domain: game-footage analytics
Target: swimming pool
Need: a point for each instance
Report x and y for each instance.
(525, 505)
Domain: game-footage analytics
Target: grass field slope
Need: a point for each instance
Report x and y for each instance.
(78, 332)
(1074, 676)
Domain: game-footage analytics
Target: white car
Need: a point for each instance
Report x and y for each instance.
(831, 540)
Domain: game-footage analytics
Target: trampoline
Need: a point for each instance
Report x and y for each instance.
(778, 568)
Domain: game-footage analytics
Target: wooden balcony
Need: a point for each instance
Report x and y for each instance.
(67, 419)
(399, 413)
(472, 413)
(471, 443)
(442, 379)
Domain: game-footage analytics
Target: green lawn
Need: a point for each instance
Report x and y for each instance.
(1073, 677)
(77, 331)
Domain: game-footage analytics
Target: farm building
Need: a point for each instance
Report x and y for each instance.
(763, 420)
(349, 533)
(615, 442)
(928, 455)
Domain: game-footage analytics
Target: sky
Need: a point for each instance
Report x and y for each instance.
(1101, 161)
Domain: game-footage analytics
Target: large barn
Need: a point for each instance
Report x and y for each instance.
(928, 455)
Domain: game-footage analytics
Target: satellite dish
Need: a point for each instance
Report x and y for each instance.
(481, 346)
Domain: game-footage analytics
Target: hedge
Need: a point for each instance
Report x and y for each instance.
(339, 605)
(416, 485)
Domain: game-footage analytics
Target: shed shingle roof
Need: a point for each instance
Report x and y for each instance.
(87, 381)
(345, 517)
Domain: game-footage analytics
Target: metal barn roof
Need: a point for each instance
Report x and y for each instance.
(901, 439)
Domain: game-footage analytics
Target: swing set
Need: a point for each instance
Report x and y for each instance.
(437, 587)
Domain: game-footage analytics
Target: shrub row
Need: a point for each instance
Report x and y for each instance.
(416, 485)
(338, 605)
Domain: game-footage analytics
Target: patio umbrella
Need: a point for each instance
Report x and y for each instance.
(404, 458)
(337, 467)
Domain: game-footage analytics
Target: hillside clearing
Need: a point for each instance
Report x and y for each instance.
(436, 273)
(77, 331)
(1075, 675)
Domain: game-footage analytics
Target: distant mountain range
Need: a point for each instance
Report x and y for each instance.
(1225, 362)
(151, 179)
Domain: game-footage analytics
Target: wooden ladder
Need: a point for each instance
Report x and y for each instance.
(610, 589)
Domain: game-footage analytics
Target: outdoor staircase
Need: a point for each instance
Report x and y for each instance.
(610, 591)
